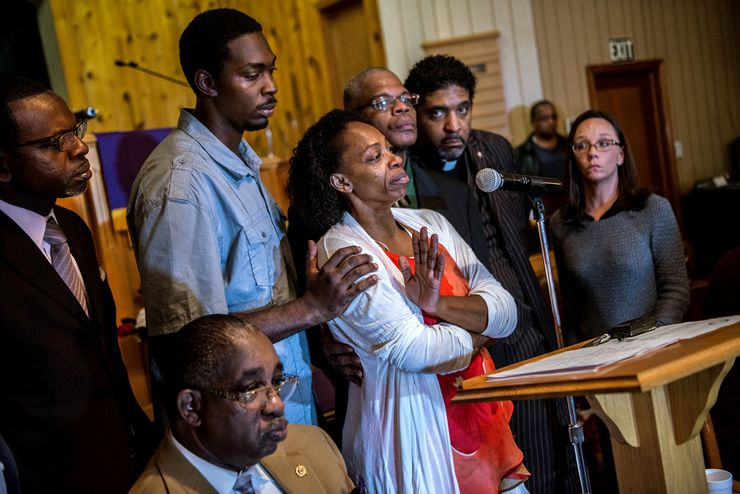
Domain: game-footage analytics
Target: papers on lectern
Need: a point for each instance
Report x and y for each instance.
(613, 351)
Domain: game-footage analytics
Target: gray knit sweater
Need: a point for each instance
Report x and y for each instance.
(622, 267)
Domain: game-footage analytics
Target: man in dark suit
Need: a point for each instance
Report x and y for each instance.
(225, 392)
(66, 407)
(447, 144)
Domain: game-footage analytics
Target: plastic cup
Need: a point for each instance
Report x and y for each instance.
(719, 481)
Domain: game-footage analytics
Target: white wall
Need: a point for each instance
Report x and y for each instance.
(406, 24)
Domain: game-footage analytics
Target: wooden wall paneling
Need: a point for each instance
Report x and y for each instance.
(411, 32)
(429, 27)
(352, 39)
(429, 20)
(519, 62)
(91, 35)
(442, 15)
(375, 31)
(289, 66)
(554, 59)
(728, 45)
(399, 35)
(523, 86)
(482, 16)
(697, 40)
(481, 53)
(714, 87)
(460, 23)
(314, 60)
(673, 30)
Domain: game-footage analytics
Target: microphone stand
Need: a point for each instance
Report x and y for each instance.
(575, 430)
(136, 66)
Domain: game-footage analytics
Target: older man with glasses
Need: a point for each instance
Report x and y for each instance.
(228, 433)
(379, 95)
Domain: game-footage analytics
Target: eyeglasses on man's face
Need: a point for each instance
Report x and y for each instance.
(383, 102)
(63, 141)
(601, 145)
(283, 386)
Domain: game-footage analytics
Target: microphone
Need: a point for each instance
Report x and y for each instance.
(489, 180)
(86, 113)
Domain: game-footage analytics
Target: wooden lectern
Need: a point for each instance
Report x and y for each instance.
(654, 405)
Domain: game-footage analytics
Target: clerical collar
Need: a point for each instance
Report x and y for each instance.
(448, 166)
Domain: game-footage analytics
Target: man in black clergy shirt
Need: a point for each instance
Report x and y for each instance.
(447, 144)
(67, 411)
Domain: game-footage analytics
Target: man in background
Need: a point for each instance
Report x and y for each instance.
(545, 152)
(67, 411)
(208, 236)
(447, 144)
(225, 392)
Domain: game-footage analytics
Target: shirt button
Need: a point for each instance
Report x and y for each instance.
(181, 161)
(264, 235)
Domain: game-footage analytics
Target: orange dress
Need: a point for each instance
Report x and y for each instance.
(486, 458)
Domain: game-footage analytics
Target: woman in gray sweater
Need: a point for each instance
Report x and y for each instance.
(617, 246)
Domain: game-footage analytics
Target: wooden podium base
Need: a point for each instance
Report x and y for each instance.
(655, 434)
(654, 406)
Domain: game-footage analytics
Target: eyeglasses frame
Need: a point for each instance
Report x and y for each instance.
(245, 398)
(408, 99)
(612, 142)
(79, 131)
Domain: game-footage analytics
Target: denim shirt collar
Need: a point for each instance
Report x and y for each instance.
(217, 150)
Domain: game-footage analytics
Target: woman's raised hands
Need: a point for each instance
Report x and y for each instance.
(422, 285)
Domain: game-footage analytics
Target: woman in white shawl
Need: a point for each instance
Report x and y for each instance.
(344, 179)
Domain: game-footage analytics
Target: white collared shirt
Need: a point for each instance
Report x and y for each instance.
(223, 479)
(35, 226)
(30, 222)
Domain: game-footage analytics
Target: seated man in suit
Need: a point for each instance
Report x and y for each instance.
(225, 391)
(66, 407)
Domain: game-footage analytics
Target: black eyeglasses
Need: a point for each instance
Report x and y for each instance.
(64, 141)
(284, 387)
(601, 145)
(383, 102)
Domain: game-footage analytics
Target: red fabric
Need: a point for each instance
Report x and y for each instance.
(483, 448)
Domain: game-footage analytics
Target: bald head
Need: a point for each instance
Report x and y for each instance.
(397, 122)
(354, 90)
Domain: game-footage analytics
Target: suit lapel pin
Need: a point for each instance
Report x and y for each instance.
(301, 471)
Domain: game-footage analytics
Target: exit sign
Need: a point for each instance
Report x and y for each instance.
(621, 50)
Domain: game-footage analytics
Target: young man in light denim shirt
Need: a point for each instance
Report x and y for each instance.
(208, 237)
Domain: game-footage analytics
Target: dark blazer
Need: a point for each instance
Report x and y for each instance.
(306, 462)
(538, 425)
(452, 199)
(66, 407)
(510, 212)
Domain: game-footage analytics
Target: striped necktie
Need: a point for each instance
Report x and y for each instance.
(61, 259)
(244, 484)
